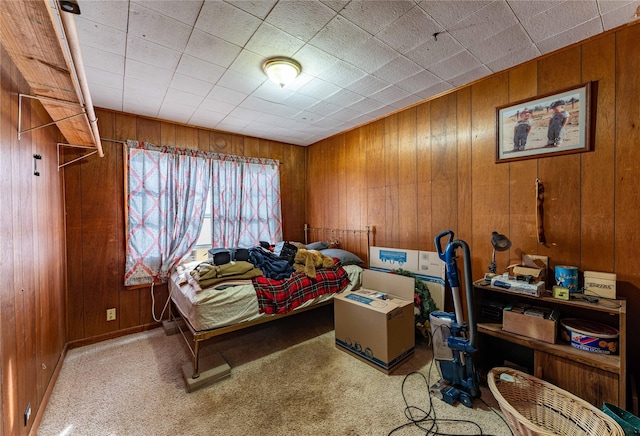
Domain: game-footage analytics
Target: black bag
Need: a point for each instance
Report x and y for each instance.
(222, 256)
(286, 250)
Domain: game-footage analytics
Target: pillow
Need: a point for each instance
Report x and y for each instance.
(345, 257)
(320, 245)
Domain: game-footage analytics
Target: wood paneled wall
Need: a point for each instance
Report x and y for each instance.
(94, 189)
(32, 265)
(432, 167)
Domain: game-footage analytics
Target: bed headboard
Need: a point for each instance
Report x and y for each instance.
(355, 241)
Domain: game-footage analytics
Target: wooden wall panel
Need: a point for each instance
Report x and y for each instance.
(148, 130)
(237, 146)
(48, 249)
(561, 174)
(490, 200)
(355, 171)
(32, 239)
(186, 137)
(597, 203)
(167, 134)
(203, 140)
(95, 191)
(128, 313)
(251, 146)
(341, 213)
(591, 198)
(390, 179)
(627, 158)
(293, 192)
(23, 253)
(522, 230)
(331, 184)
(425, 232)
(264, 148)
(627, 190)
(465, 168)
(73, 211)
(22, 198)
(374, 152)
(114, 260)
(11, 399)
(313, 196)
(100, 247)
(444, 164)
(36, 249)
(407, 173)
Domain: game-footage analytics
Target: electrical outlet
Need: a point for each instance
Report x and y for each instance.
(111, 314)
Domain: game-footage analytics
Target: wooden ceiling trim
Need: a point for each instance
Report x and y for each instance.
(30, 36)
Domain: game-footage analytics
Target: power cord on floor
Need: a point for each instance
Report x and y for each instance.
(427, 420)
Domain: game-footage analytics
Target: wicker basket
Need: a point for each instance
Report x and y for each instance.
(534, 407)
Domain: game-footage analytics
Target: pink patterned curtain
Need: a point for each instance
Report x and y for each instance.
(246, 201)
(226, 202)
(167, 189)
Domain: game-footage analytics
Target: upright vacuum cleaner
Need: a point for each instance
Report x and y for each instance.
(452, 349)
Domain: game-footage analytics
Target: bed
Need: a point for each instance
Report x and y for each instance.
(199, 314)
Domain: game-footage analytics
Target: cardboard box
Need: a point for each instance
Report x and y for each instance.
(532, 265)
(530, 325)
(426, 265)
(600, 284)
(376, 323)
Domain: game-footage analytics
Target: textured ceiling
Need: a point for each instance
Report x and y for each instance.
(199, 62)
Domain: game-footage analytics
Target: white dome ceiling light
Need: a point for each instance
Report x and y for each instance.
(281, 70)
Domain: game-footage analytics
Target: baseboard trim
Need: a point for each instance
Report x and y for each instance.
(112, 335)
(47, 394)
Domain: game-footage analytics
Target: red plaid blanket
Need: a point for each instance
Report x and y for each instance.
(282, 296)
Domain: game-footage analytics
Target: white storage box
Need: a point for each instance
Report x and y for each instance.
(600, 284)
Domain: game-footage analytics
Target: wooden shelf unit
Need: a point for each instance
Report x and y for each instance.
(595, 377)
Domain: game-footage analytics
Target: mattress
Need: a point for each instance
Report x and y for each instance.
(228, 303)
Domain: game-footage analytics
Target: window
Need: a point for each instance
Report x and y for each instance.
(246, 202)
(179, 199)
(203, 243)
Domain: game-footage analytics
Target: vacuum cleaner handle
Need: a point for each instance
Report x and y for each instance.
(439, 246)
(448, 256)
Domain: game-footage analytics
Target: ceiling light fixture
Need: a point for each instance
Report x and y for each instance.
(70, 6)
(281, 70)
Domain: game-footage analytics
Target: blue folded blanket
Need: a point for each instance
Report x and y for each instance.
(272, 266)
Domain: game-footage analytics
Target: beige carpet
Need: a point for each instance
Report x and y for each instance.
(287, 379)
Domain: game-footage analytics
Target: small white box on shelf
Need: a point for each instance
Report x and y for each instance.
(600, 284)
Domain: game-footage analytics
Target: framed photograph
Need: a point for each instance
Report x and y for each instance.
(556, 123)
